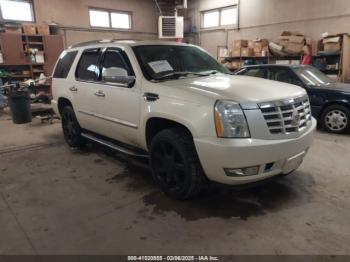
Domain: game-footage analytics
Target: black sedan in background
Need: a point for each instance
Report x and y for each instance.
(330, 101)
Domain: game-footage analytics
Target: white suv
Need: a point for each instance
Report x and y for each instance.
(178, 106)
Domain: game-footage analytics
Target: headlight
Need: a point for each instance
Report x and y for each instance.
(230, 121)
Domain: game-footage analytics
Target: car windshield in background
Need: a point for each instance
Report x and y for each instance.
(165, 62)
(312, 76)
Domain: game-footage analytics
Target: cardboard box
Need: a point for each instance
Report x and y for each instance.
(261, 43)
(265, 51)
(43, 29)
(29, 29)
(284, 38)
(251, 44)
(294, 48)
(240, 43)
(247, 52)
(258, 49)
(258, 54)
(335, 39)
(236, 52)
(13, 30)
(283, 43)
(297, 39)
(332, 47)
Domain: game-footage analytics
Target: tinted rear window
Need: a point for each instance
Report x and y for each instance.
(64, 64)
(88, 68)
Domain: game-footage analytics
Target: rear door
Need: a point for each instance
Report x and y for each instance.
(86, 78)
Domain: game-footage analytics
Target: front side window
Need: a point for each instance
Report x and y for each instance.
(88, 69)
(115, 67)
(166, 61)
(17, 10)
(64, 64)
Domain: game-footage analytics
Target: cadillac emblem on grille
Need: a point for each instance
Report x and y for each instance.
(287, 116)
(296, 118)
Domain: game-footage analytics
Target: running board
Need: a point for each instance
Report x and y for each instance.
(114, 146)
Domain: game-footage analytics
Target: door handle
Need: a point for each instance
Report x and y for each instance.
(100, 93)
(73, 89)
(150, 97)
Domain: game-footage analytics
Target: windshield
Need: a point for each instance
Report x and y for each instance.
(312, 76)
(165, 62)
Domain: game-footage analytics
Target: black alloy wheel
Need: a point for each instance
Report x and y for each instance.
(175, 164)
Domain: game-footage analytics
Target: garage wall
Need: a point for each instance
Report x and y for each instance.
(73, 18)
(268, 18)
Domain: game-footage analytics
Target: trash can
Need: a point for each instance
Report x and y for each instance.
(19, 102)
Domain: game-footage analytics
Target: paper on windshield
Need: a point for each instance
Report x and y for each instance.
(160, 66)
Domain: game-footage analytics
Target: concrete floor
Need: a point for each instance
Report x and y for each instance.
(58, 201)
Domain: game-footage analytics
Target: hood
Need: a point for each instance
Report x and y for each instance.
(337, 87)
(242, 89)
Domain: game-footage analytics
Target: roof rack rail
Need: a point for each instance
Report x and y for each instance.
(91, 42)
(82, 44)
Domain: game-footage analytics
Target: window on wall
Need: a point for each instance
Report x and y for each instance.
(220, 17)
(211, 19)
(17, 10)
(110, 19)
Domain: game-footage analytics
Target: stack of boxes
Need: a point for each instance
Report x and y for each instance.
(293, 43)
(238, 46)
(245, 48)
(261, 47)
(332, 44)
(28, 29)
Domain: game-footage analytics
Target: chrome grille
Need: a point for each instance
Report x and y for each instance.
(287, 116)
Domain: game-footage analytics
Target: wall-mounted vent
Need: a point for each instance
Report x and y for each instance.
(171, 27)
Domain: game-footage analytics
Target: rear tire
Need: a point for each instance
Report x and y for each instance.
(336, 119)
(71, 128)
(175, 164)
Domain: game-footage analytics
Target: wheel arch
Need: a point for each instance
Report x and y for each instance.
(332, 103)
(62, 102)
(156, 124)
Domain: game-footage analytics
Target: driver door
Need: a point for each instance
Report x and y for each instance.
(117, 98)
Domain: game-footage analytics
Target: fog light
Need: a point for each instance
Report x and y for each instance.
(247, 171)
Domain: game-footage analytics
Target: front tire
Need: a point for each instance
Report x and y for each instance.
(336, 119)
(175, 164)
(71, 128)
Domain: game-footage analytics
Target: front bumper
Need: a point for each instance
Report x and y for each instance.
(54, 105)
(286, 155)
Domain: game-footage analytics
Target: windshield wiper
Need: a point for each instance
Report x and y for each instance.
(178, 75)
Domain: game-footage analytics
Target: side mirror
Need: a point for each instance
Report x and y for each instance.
(118, 76)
